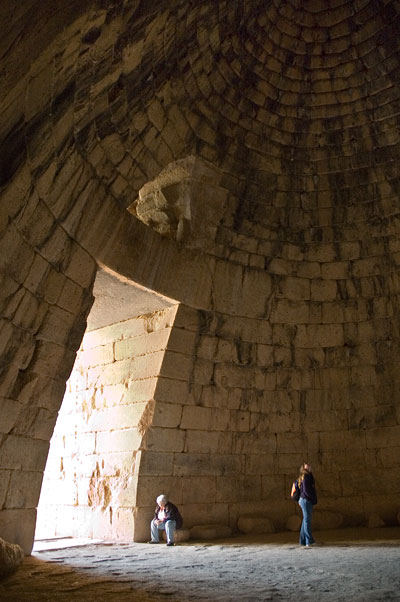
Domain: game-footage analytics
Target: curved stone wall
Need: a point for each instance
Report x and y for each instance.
(294, 107)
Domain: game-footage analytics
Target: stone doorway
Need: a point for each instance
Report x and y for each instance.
(89, 484)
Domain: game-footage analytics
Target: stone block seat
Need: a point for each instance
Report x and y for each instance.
(210, 532)
(11, 556)
(180, 535)
(254, 523)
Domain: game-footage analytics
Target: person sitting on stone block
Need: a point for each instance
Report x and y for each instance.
(166, 517)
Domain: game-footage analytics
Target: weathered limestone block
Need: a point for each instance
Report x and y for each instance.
(19, 525)
(116, 417)
(10, 411)
(265, 355)
(112, 464)
(309, 269)
(340, 440)
(281, 267)
(238, 488)
(205, 419)
(257, 288)
(166, 415)
(239, 376)
(17, 256)
(97, 356)
(183, 341)
(249, 523)
(321, 253)
(23, 489)
(227, 351)
(239, 421)
(214, 442)
(164, 439)
(375, 521)
(218, 397)
(259, 464)
(211, 531)
(145, 366)
(20, 451)
(193, 489)
(199, 513)
(252, 442)
(324, 519)
(111, 523)
(175, 366)
(323, 290)
(123, 486)
(296, 289)
(337, 270)
(52, 360)
(168, 389)
(11, 557)
(389, 456)
(57, 325)
(179, 535)
(81, 267)
(142, 345)
(320, 335)
(206, 347)
(273, 486)
(142, 517)
(203, 372)
(123, 371)
(202, 464)
(228, 277)
(118, 441)
(332, 313)
(275, 423)
(383, 437)
(149, 487)
(116, 332)
(132, 392)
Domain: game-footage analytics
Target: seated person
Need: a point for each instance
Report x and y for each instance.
(166, 517)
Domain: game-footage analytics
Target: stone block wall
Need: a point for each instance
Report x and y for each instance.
(46, 282)
(249, 403)
(89, 488)
(218, 411)
(288, 113)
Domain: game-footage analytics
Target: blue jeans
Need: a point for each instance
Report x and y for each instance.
(169, 526)
(306, 537)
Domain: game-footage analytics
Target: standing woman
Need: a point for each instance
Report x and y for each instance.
(308, 499)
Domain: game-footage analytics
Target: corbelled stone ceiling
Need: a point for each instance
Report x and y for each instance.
(241, 159)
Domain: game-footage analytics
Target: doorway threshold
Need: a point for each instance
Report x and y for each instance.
(60, 543)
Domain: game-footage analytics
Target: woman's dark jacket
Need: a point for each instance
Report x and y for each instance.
(307, 489)
(171, 513)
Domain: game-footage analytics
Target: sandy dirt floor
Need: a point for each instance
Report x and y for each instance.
(350, 565)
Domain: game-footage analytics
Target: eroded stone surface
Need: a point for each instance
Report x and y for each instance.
(255, 524)
(209, 531)
(11, 557)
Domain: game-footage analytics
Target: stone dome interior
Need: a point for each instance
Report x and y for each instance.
(240, 161)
